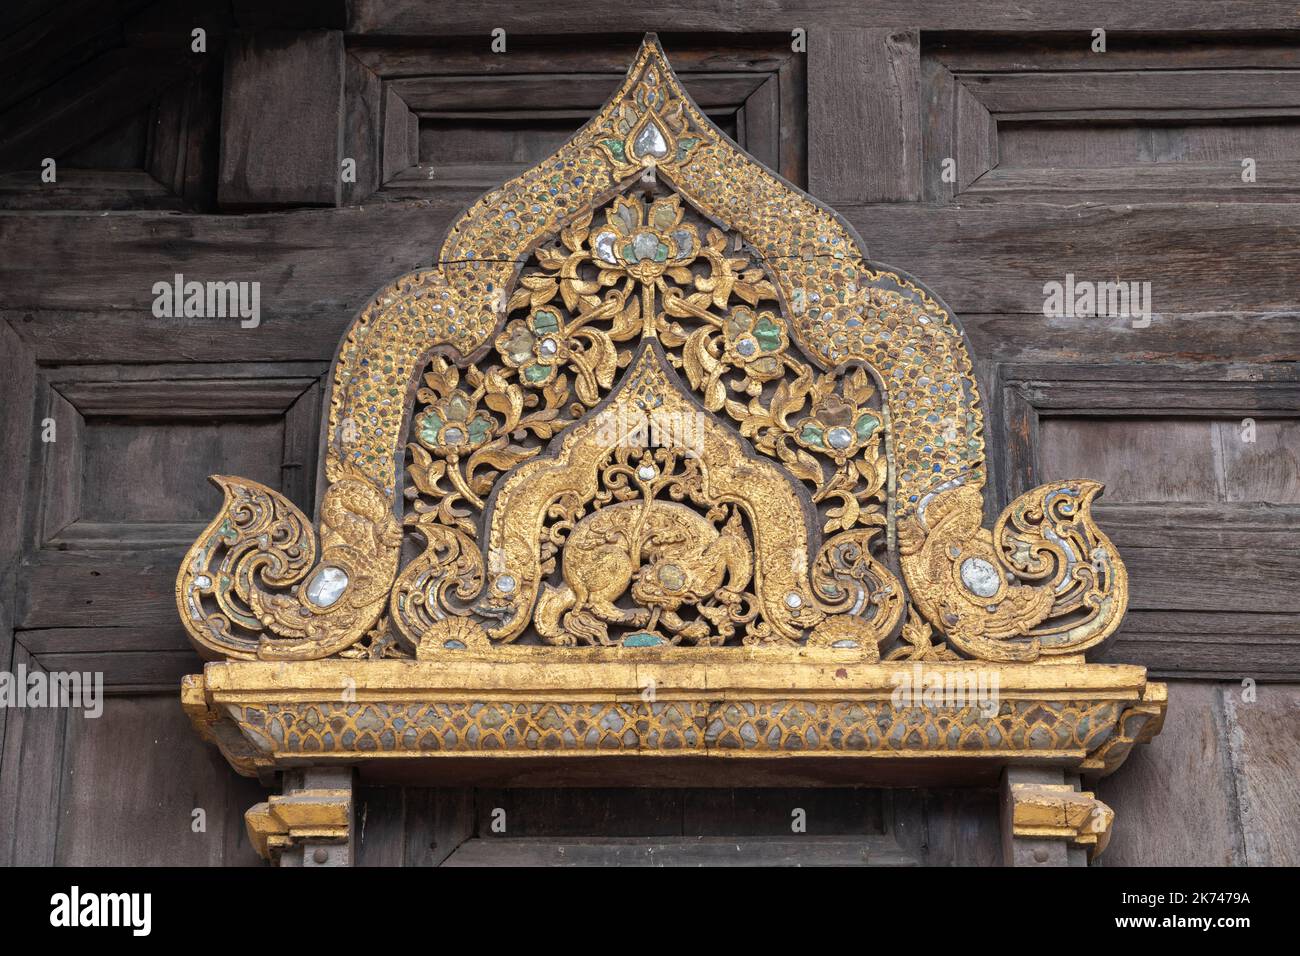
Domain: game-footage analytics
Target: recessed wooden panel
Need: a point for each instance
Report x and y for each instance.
(123, 490)
(146, 472)
(1158, 120)
(484, 118)
(1176, 459)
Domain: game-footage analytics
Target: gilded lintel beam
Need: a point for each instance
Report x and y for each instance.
(1059, 812)
(1138, 724)
(708, 702)
(309, 815)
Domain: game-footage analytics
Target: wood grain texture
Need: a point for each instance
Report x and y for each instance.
(864, 115)
(143, 751)
(363, 130)
(985, 260)
(282, 117)
(1175, 800)
(31, 775)
(402, 18)
(1263, 738)
(681, 851)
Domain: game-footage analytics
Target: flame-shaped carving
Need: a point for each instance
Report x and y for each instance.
(1043, 581)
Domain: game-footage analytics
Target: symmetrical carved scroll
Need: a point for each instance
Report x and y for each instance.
(653, 395)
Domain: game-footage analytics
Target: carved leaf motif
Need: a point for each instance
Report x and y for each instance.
(505, 398)
(426, 472)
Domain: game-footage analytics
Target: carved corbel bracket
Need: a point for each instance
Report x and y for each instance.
(1059, 812)
(310, 824)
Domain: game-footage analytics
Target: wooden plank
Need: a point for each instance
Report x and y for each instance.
(65, 589)
(308, 259)
(982, 259)
(681, 851)
(437, 822)
(152, 671)
(186, 398)
(1263, 739)
(740, 53)
(363, 130)
(975, 137)
(942, 827)
(1134, 90)
(793, 80)
(281, 120)
(122, 337)
(1174, 799)
(1214, 645)
(31, 776)
(185, 138)
(747, 813)
(397, 134)
(401, 18)
(1123, 52)
(451, 95)
(1147, 182)
(83, 104)
(81, 189)
(1220, 337)
(864, 115)
(144, 752)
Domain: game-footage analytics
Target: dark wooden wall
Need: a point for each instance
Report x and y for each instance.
(224, 165)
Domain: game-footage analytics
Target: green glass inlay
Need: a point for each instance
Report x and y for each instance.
(812, 435)
(768, 334)
(865, 425)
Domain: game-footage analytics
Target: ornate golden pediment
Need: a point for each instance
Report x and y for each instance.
(654, 420)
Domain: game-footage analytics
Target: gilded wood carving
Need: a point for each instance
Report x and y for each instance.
(652, 395)
(654, 462)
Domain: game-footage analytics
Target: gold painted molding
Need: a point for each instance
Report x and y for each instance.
(323, 815)
(1059, 812)
(657, 705)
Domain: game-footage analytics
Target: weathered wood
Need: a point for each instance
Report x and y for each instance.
(363, 130)
(31, 777)
(947, 827)
(185, 136)
(1263, 738)
(974, 54)
(1216, 645)
(85, 189)
(122, 337)
(864, 138)
(975, 136)
(1219, 337)
(400, 18)
(343, 256)
(1084, 92)
(87, 102)
(397, 134)
(1175, 801)
(740, 53)
(144, 752)
(682, 851)
(1279, 181)
(281, 118)
(443, 95)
